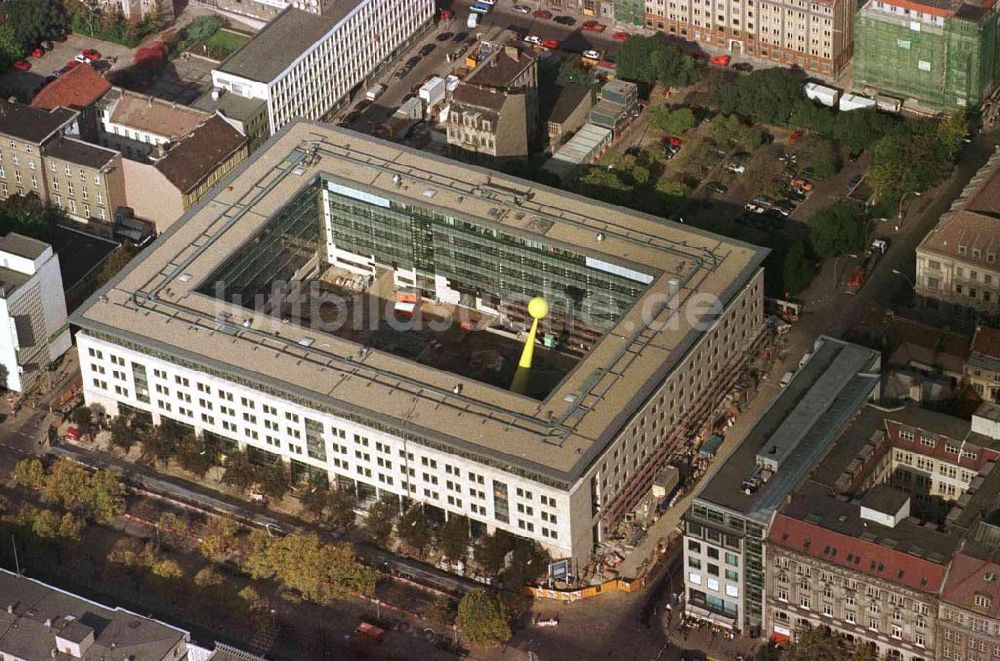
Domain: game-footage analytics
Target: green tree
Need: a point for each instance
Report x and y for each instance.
(10, 48)
(33, 20)
(29, 473)
(605, 184)
(167, 569)
(490, 552)
(104, 496)
(837, 230)
(764, 172)
(202, 28)
(208, 578)
(158, 446)
(381, 518)
(273, 480)
(797, 269)
(122, 435)
(822, 644)
(652, 59)
(528, 564)
(483, 619)
(675, 122)
(83, 418)
(729, 130)
(821, 155)
(440, 614)
(339, 512)
(66, 483)
(173, 529)
(859, 129)
(195, 455)
(218, 538)
(414, 529)
(765, 95)
(239, 471)
(453, 537)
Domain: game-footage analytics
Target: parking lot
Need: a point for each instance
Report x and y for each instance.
(448, 36)
(24, 83)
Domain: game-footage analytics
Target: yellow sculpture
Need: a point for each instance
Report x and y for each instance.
(538, 308)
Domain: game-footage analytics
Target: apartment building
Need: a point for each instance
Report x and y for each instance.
(78, 89)
(137, 10)
(135, 124)
(728, 522)
(957, 271)
(982, 368)
(941, 56)
(303, 65)
(816, 35)
(870, 543)
(969, 607)
(256, 365)
(268, 10)
(494, 111)
(32, 310)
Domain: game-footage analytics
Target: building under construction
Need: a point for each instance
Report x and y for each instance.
(937, 55)
(273, 316)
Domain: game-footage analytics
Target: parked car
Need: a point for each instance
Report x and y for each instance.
(550, 44)
(744, 67)
(794, 137)
(591, 54)
(565, 20)
(46, 45)
(620, 36)
(784, 207)
(81, 59)
(754, 208)
(459, 37)
(763, 201)
(543, 14)
(721, 60)
(90, 54)
(766, 139)
(795, 194)
(522, 9)
(717, 187)
(427, 50)
(37, 52)
(532, 39)
(594, 26)
(444, 36)
(736, 168)
(804, 184)
(673, 141)
(21, 65)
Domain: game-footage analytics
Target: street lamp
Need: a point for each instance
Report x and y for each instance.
(906, 277)
(915, 193)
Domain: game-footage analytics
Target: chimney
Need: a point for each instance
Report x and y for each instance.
(512, 52)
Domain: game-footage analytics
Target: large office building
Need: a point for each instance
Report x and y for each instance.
(816, 35)
(32, 310)
(727, 525)
(353, 307)
(941, 55)
(303, 65)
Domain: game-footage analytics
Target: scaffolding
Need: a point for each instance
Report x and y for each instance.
(687, 430)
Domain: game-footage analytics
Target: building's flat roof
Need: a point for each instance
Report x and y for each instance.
(153, 115)
(149, 305)
(22, 246)
(580, 148)
(797, 429)
(118, 634)
(281, 42)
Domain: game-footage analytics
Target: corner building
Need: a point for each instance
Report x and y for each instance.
(203, 331)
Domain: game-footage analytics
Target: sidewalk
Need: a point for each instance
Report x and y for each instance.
(670, 520)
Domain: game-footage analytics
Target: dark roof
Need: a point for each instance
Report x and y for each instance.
(79, 152)
(118, 634)
(851, 544)
(31, 124)
(23, 246)
(567, 99)
(78, 88)
(885, 499)
(802, 423)
(500, 70)
(919, 344)
(986, 343)
(200, 152)
(75, 632)
(477, 97)
(282, 41)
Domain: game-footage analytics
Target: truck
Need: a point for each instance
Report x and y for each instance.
(375, 92)
(871, 257)
(887, 103)
(828, 96)
(855, 102)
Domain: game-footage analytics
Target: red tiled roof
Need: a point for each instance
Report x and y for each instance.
(77, 88)
(897, 567)
(967, 578)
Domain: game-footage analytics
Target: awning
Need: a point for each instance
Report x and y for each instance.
(722, 620)
(780, 638)
(698, 611)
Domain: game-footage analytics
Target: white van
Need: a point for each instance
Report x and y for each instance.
(375, 92)
(473, 21)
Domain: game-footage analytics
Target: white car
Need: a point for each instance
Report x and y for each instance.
(82, 59)
(592, 54)
(522, 9)
(753, 208)
(532, 39)
(737, 168)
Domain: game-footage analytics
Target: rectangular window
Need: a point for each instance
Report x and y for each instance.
(501, 506)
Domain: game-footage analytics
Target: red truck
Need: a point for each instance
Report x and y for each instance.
(860, 274)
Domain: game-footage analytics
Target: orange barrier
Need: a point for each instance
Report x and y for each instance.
(617, 585)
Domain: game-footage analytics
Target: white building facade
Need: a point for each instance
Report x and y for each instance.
(32, 310)
(316, 80)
